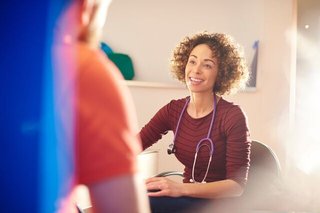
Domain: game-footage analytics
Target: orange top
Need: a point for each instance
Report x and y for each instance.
(106, 139)
(105, 131)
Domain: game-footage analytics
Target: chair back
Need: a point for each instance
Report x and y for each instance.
(264, 178)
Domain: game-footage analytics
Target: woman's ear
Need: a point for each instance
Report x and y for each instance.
(86, 11)
(92, 17)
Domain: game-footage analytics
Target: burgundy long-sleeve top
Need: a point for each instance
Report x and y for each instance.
(230, 136)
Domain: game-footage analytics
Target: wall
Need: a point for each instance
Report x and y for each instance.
(270, 108)
(149, 30)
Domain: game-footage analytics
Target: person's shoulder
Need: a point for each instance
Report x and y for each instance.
(232, 114)
(226, 103)
(229, 106)
(93, 56)
(85, 52)
(177, 103)
(174, 106)
(97, 62)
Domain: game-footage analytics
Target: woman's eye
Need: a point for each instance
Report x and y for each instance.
(208, 66)
(192, 62)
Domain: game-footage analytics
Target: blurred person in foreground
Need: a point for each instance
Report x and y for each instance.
(97, 119)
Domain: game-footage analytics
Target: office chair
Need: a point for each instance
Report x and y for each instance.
(264, 186)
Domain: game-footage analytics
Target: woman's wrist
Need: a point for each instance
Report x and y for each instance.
(185, 189)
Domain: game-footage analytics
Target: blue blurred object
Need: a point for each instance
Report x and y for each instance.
(22, 64)
(106, 48)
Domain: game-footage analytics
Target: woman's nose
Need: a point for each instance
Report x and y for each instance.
(197, 69)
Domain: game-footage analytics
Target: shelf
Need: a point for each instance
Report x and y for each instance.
(149, 84)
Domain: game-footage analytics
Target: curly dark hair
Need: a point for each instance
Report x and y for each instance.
(232, 68)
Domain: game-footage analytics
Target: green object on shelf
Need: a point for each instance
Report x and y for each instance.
(124, 63)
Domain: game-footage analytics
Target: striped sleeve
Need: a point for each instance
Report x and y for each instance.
(238, 145)
(156, 127)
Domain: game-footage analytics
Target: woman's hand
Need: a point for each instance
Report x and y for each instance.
(161, 186)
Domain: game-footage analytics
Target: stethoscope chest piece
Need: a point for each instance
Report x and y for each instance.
(192, 181)
(171, 149)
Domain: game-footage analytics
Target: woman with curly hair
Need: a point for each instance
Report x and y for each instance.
(211, 135)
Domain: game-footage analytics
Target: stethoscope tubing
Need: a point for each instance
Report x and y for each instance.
(211, 148)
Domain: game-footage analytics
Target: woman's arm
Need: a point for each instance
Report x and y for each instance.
(158, 126)
(218, 189)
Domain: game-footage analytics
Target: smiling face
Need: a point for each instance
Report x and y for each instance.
(201, 70)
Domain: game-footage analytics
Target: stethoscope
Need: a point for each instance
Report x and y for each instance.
(171, 149)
